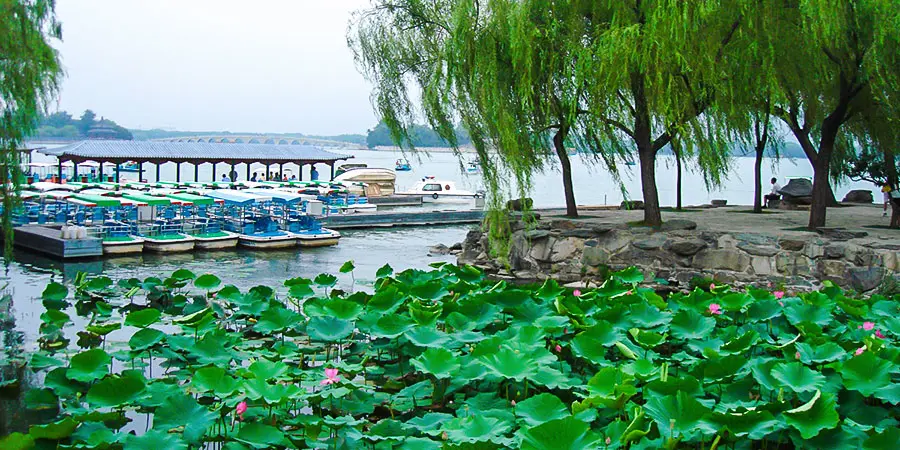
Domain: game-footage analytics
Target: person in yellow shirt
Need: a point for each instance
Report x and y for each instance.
(886, 189)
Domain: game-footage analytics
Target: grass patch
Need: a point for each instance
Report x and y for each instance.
(750, 211)
(683, 210)
(880, 227)
(798, 229)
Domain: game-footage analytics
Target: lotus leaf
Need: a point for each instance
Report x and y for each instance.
(438, 362)
(427, 337)
(89, 365)
(818, 414)
(41, 399)
(384, 271)
(207, 282)
(689, 324)
(325, 280)
(145, 338)
(389, 429)
(17, 441)
(680, 415)
(54, 431)
(798, 377)
(867, 373)
(540, 408)
(631, 275)
(114, 391)
(430, 423)
(277, 320)
(476, 428)
(214, 379)
(329, 329)
(183, 411)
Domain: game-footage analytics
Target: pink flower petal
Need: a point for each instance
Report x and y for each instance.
(878, 334)
(558, 348)
(331, 373)
(868, 326)
(860, 350)
(241, 408)
(797, 355)
(779, 294)
(327, 381)
(715, 308)
(712, 286)
(577, 293)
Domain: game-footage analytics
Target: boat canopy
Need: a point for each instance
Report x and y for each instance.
(240, 198)
(198, 200)
(97, 200)
(278, 196)
(148, 199)
(44, 186)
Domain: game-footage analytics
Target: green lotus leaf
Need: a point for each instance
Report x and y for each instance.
(214, 379)
(430, 423)
(540, 408)
(761, 368)
(763, 310)
(798, 377)
(53, 316)
(115, 391)
(229, 292)
(673, 384)
(425, 314)
(17, 441)
(646, 316)
(98, 283)
(741, 343)
(611, 387)
(211, 349)
(384, 271)
(680, 415)
(890, 394)
(93, 435)
(89, 365)
(155, 439)
(157, 393)
(647, 339)
(41, 399)
(439, 362)
(143, 318)
(272, 394)
(736, 301)
(57, 380)
(631, 275)
(268, 370)
(325, 280)
(347, 267)
(420, 444)
(506, 363)
(103, 328)
(207, 282)
(819, 413)
(60, 429)
(432, 290)
(690, 324)
(183, 411)
(476, 428)
(725, 367)
(329, 329)
(342, 309)
(826, 352)
(389, 429)
(427, 337)
(258, 435)
(183, 275)
(277, 320)
(391, 326)
(301, 291)
(838, 438)
(885, 440)
(798, 313)
(755, 425)
(145, 338)
(866, 373)
(507, 299)
(562, 434)
(549, 290)
(41, 360)
(385, 300)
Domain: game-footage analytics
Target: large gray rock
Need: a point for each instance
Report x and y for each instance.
(536, 234)
(564, 224)
(632, 204)
(565, 249)
(721, 259)
(865, 279)
(859, 196)
(594, 256)
(687, 247)
(652, 243)
(583, 233)
(798, 191)
(520, 204)
(758, 250)
(438, 250)
(840, 234)
(794, 245)
(679, 224)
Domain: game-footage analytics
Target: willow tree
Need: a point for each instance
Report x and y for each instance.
(29, 71)
(835, 62)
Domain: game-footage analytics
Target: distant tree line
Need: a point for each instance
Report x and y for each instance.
(63, 125)
(419, 136)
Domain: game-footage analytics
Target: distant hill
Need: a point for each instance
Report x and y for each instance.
(156, 133)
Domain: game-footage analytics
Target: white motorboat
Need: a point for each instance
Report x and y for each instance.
(320, 237)
(378, 181)
(439, 191)
(472, 167)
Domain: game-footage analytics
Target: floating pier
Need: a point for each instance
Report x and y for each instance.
(47, 240)
(396, 200)
(396, 219)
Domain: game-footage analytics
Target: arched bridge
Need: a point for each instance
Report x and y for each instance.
(259, 139)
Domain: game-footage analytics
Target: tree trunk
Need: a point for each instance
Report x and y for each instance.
(559, 142)
(757, 178)
(892, 179)
(677, 178)
(646, 153)
(822, 195)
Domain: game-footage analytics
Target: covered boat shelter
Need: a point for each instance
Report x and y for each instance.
(196, 154)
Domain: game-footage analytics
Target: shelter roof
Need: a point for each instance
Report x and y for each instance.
(194, 152)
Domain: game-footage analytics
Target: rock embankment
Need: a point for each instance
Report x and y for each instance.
(576, 251)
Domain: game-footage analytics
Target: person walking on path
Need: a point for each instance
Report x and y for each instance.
(886, 191)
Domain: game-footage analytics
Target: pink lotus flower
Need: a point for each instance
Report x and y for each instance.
(797, 355)
(878, 334)
(577, 293)
(240, 409)
(868, 326)
(565, 330)
(860, 350)
(629, 292)
(558, 348)
(513, 403)
(608, 440)
(332, 375)
(712, 286)
(715, 309)
(778, 294)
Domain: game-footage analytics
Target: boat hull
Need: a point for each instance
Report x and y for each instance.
(184, 244)
(135, 245)
(323, 238)
(216, 243)
(267, 242)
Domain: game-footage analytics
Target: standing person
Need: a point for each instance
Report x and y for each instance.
(313, 173)
(253, 178)
(886, 191)
(773, 195)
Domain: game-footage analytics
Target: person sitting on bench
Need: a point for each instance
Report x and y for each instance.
(774, 195)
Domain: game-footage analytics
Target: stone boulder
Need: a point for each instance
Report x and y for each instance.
(721, 259)
(632, 204)
(687, 247)
(798, 191)
(719, 203)
(678, 224)
(840, 234)
(520, 204)
(859, 196)
(439, 250)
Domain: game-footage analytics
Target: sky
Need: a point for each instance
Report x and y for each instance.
(215, 65)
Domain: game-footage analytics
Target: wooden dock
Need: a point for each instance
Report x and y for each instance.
(47, 240)
(399, 219)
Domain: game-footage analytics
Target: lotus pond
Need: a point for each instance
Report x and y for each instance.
(446, 358)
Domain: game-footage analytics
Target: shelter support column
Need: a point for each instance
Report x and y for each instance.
(157, 171)
(280, 172)
(300, 171)
(118, 171)
(214, 172)
(331, 166)
(140, 172)
(178, 172)
(100, 172)
(267, 172)
(59, 170)
(248, 170)
(196, 172)
(232, 175)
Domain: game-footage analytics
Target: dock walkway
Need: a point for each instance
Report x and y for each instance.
(47, 240)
